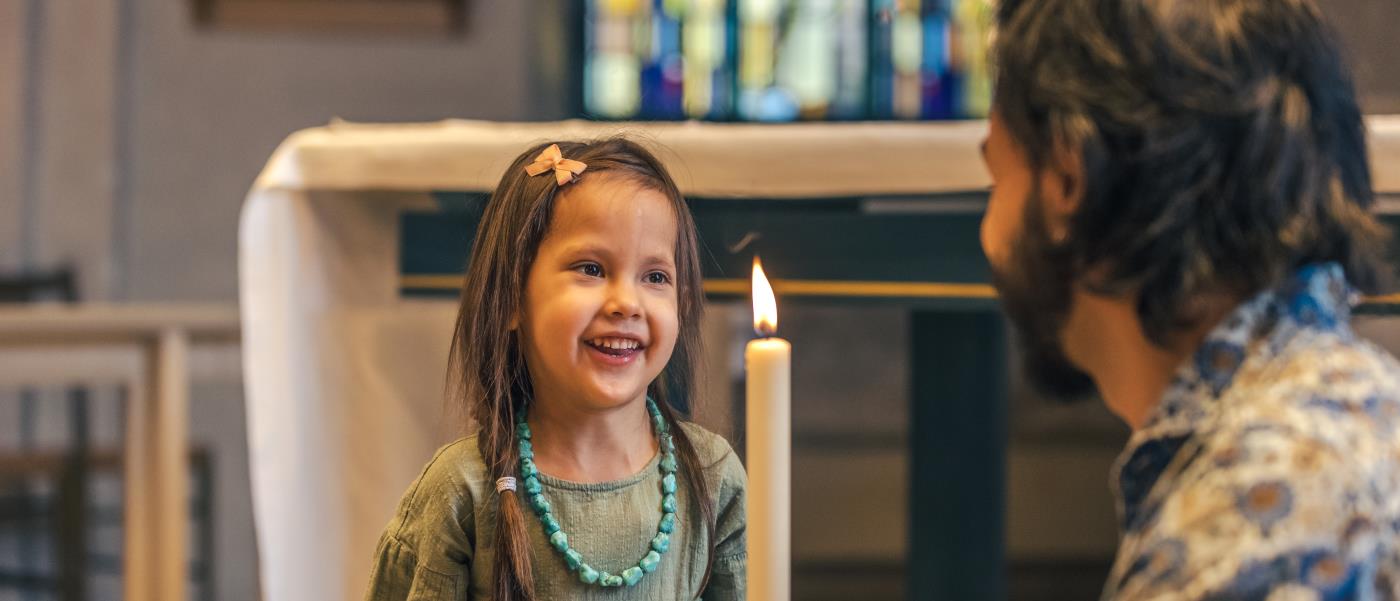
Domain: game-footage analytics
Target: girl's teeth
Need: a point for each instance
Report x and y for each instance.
(616, 344)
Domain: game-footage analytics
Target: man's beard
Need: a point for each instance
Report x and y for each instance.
(1035, 289)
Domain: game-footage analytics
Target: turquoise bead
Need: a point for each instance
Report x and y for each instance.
(650, 562)
(667, 444)
(527, 468)
(540, 504)
(587, 575)
(573, 559)
(551, 525)
(668, 504)
(522, 431)
(652, 408)
(668, 523)
(659, 423)
(668, 464)
(610, 580)
(532, 486)
(560, 541)
(631, 576)
(527, 451)
(661, 543)
(668, 484)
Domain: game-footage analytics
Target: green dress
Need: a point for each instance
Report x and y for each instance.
(439, 545)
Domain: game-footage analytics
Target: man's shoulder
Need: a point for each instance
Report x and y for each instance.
(1322, 420)
(1322, 384)
(1295, 469)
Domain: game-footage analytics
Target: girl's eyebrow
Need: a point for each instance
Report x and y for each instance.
(587, 249)
(661, 260)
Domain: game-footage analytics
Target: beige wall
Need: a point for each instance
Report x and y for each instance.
(12, 59)
(209, 107)
(77, 123)
(150, 131)
(1367, 29)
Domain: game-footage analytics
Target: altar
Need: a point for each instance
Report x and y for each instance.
(354, 236)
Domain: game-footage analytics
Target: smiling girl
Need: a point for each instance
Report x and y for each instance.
(576, 339)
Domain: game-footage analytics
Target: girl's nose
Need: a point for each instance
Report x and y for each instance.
(622, 302)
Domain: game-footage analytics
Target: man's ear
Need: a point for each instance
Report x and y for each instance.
(1062, 189)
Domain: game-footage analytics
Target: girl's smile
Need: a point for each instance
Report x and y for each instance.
(615, 348)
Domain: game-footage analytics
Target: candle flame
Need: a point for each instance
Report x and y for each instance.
(765, 306)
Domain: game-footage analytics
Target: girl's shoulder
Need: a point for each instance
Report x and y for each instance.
(712, 448)
(721, 463)
(457, 464)
(456, 474)
(435, 520)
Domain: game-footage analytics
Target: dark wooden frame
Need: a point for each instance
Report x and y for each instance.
(447, 17)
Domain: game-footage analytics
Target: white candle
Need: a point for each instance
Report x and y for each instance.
(768, 361)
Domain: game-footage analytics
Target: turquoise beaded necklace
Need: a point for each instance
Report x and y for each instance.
(534, 493)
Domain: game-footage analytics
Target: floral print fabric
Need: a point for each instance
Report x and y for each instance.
(1269, 469)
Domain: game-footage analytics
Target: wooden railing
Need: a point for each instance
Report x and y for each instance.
(156, 480)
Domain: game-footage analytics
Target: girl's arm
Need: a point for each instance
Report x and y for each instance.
(727, 581)
(398, 575)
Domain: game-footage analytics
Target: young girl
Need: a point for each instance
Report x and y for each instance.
(578, 330)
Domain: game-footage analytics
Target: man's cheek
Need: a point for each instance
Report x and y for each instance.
(988, 239)
(994, 239)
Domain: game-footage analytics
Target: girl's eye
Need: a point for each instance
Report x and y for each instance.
(658, 277)
(592, 270)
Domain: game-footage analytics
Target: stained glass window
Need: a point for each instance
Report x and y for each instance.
(786, 60)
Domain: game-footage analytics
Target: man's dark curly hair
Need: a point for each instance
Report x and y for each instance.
(1221, 143)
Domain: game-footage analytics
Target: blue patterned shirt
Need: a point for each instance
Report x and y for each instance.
(1269, 469)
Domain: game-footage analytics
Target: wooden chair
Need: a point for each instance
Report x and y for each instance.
(44, 492)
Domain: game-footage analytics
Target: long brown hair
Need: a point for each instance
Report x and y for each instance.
(487, 365)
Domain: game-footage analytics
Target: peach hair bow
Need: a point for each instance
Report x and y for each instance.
(551, 159)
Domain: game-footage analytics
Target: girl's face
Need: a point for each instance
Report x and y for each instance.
(600, 321)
